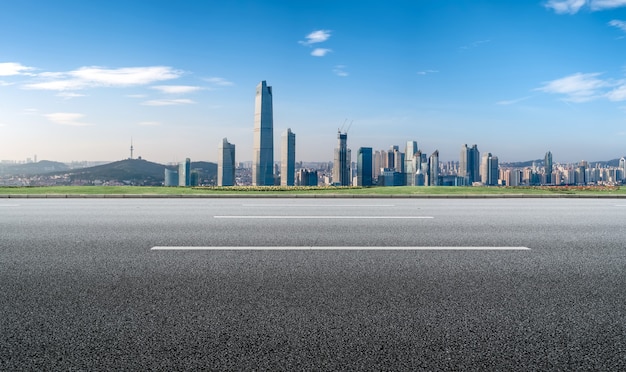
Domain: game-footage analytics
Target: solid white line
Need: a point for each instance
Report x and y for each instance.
(311, 248)
(322, 206)
(326, 217)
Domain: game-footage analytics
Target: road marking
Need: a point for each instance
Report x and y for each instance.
(321, 206)
(338, 248)
(9, 205)
(326, 217)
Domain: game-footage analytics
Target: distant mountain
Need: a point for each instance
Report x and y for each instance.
(139, 172)
(522, 164)
(29, 169)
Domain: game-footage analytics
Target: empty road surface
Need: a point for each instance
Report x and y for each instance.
(313, 284)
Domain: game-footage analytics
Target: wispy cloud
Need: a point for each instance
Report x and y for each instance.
(320, 52)
(619, 24)
(427, 72)
(168, 102)
(581, 87)
(512, 101)
(69, 95)
(136, 96)
(176, 89)
(89, 77)
(67, 118)
(5, 83)
(149, 123)
(219, 81)
(574, 6)
(340, 70)
(475, 44)
(13, 68)
(314, 37)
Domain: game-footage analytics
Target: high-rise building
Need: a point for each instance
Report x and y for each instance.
(547, 162)
(622, 168)
(263, 149)
(433, 169)
(288, 158)
(226, 163)
(171, 177)
(469, 165)
(411, 163)
(184, 173)
(341, 165)
(364, 167)
(489, 170)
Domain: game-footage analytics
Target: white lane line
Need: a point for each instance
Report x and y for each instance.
(322, 206)
(311, 248)
(326, 217)
(9, 205)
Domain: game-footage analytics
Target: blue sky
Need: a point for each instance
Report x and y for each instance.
(79, 78)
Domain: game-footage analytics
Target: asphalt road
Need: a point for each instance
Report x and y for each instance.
(81, 288)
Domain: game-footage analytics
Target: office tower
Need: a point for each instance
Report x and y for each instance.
(398, 160)
(184, 173)
(469, 164)
(378, 163)
(364, 167)
(171, 178)
(263, 150)
(288, 158)
(226, 163)
(489, 170)
(547, 162)
(410, 162)
(341, 165)
(433, 169)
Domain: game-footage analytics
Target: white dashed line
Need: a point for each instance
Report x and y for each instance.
(326, 217)
(337, 248)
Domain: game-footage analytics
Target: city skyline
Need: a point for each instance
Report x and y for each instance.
(516, 78)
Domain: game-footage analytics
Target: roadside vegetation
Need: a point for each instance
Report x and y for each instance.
(328, 190)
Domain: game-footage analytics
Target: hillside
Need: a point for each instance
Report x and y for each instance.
(29, 169)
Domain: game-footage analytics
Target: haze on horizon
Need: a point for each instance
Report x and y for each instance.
(79, 79)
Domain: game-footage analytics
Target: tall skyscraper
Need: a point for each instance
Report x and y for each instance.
(489, 170)
(226, 163)
(622, 168)
(184, 173)
(288, 158)
(433, 169)
(263, 150)
(547, 162)
(341, 165)
(364, 167)
(469, 164)
(411, 163)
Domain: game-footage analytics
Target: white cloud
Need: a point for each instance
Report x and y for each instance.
(69, 95)
(340, 70)
(5, 83)
(475, 44)
(574, 6)
(176, 89)
(617, 94)
(320, 52)
(12, 68)
(167, 102)
(619, 24)
(88, 77)
(314, 37)
(136, 95)
(578, 87)
(149, 123)
(512, 101)
(426, 72)
(67, 118)
(219, 81)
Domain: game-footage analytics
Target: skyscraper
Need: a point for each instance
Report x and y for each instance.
(469, 165)
(433, 169)
(341, 165)
(263, 150)
(547, 162)
(622, 168)
(410, 162)
(226, 163)
(489, 170)
(364, 167)
(184, 173)
(288, 158)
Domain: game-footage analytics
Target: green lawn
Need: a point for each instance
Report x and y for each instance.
(380, 191)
